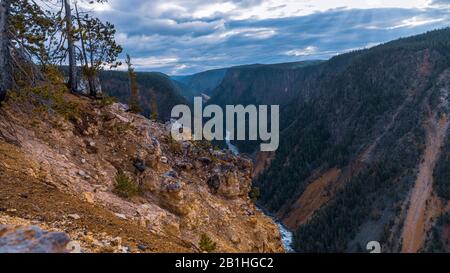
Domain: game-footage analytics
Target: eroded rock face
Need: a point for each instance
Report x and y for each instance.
(229, 181)
(31, 239)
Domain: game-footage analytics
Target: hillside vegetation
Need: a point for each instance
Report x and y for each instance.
(379, 117)
(156, 90)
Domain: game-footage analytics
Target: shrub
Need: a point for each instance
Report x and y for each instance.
(124, 186)
(206, 244)
(120, 128)
(174, 146)
(47, 97)
(108, 100)
(154, 116)
(255, 194)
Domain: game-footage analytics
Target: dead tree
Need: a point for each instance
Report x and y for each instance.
(5, 56)
(71, 47)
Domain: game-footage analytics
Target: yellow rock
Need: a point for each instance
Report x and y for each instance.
(89, 197)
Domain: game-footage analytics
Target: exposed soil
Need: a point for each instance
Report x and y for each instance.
(423, 206)
(24, 195)
(262, 162)
(317, 194)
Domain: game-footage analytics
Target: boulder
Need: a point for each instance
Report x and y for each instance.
(150, 181)
(139, 164)
(164, 160)
(152, 161)
(205, 160)
(121, 216)
(84, 87)
(174, 187)
(108, 116)
(171, 173)
(185, 166)
(226, 184)
(89, 197)
(231, 188)
(214, 183)
(31, 239)
(74, 216)
(173, 197)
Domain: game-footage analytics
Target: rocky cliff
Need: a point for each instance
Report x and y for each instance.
(115, 181)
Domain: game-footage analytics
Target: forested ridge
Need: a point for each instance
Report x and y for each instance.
(157, 92)
(363, 113)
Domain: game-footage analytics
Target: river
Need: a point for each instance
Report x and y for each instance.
(286, 237)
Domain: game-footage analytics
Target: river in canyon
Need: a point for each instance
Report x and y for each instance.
(287, 236)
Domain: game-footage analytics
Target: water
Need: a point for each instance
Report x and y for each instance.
(230, 146)
(287, 237)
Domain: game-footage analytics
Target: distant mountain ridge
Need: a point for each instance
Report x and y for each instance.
(200, 83)
(151, 84)
(209, 82)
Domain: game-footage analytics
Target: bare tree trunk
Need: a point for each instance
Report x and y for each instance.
(71, 48)
(87, 70)
(92, 72)
(130, 71)
(5, 65)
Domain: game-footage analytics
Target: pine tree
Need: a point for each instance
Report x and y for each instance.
(206, 244)
(133, 102)
(33, 38)
(153, 104)
(98, 47)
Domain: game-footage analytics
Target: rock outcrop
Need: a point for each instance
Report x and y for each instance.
(31, 240)
(174, 191)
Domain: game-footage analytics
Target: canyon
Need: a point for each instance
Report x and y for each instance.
(363, 157)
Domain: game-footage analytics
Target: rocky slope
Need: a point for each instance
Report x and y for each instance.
(61, 157)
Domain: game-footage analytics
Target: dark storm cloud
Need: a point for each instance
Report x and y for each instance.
(175, 40)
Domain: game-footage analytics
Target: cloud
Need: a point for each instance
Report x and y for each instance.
(309, 50)
(440, 2)
(188, 36)
(417, 21)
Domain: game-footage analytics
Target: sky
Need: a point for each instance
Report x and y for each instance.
(180, 37)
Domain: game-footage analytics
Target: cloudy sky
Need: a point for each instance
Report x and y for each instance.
(189, 36)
